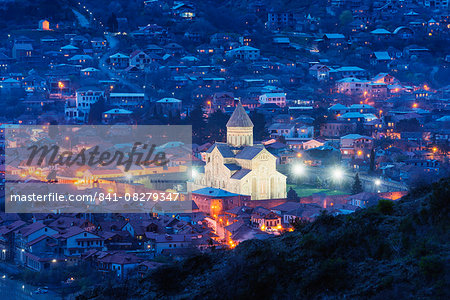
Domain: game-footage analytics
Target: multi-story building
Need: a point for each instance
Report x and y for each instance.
(244, 53)
(280, 20)
(356, 146)
(78, 108)
(126, 100)
(273, 98)
(337, 129)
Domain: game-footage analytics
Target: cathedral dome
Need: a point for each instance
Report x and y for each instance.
(239, 118)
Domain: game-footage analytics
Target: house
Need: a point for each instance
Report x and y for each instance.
(403, 32)
(139, 59)
(75, 241)
(319, 71)
(352, 117)
(183, 10)
(352, 86)
(81, 59)
(214, 201)
(69, 50)
(22, 49)
(280, 20)
(273, 98)
(221, 100)
(98, 43)
(44, 25)
(304, 131)
(381, 34)
(380, 57)
(116, 115)
(356, 146)
(281, 129)
(84, 98)
(122, 264)
(338, 109)
(27, 234)
(362, 108)
(281, 41)
(119, 60)
(266, 219)
(439, 4)
(313, 143)
(160, 242)
(126, 100)
(334, 39)
(291, 211)
(155, 49)
(5, 62)
(90, 72)
(174, 49)
(244, 53)
(350, 71)
(168, 106)
(7, 239)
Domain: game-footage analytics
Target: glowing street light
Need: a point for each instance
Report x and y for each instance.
(298, 169)
(377, 182)
(337, 173)
(129, 177)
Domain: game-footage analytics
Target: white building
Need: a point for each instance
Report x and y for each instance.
(119, 60)
(238, 166)
(85, 97)
(305, 132)
(127, 100)
(168, 105)
(275, 98)
(139, 59)
(281, 129)
(244, 53)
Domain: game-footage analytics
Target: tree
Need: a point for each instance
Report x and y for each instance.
(408, 125)
(372, 160)
(357, 186)
(292, 195)
(259, 122)
(217, 122)
(96, 110)
(346, 17)
(112, 23)
(197, 120)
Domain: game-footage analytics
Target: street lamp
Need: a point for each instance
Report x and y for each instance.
(129, 177)
(298, 169)
(377, 182)
(61, 86)
(337, 174)
(194, 173)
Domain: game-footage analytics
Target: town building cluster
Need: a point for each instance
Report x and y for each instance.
(359, 93)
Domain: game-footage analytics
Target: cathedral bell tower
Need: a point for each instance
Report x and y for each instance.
(239, 128)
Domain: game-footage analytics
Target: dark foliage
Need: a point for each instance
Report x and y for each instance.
(392, 250)
(357, 186)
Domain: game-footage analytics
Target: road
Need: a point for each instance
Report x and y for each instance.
(104, 67)
(81, 19)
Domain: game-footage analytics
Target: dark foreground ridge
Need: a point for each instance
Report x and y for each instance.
(389, 251)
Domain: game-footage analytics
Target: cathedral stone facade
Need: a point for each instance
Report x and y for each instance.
(238, 166)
